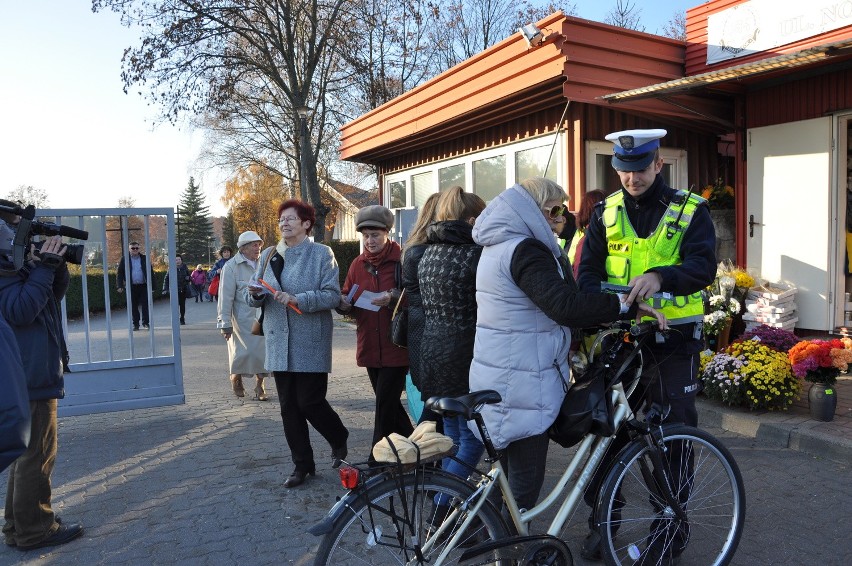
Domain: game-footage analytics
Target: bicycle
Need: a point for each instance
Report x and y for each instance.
(645, 512)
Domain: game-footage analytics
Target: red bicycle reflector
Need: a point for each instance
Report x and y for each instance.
(348, 477)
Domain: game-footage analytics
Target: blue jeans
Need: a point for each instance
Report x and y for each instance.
(470, 451)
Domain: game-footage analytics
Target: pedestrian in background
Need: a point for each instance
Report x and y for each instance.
(447, 281)
(225, 253)
(246, 352)
(199, 279)
(182, 275)
(29, 302)
(297, 324)
(584, 216)
(140, 275)
(378, 270)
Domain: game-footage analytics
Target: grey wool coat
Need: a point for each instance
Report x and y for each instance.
(245, 350)
(299, 342)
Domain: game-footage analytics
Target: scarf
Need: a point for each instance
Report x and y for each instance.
(379, 258)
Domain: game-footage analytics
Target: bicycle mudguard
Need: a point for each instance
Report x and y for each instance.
(327, 523)
(521, 550)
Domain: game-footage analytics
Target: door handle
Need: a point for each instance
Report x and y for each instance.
(751, 224)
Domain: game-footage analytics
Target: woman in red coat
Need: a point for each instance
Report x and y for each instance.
(377, 270)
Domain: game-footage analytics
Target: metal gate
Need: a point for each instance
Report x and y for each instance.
(114, 367)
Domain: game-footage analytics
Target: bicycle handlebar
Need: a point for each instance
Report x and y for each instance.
(644, 328)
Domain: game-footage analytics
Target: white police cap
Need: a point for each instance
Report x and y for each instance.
(634, 149)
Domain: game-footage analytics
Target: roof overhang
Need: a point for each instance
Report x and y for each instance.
(806, 57)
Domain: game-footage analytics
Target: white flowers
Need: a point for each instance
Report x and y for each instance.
(718, 304)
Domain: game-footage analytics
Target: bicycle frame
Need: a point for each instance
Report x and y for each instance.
(590, 447)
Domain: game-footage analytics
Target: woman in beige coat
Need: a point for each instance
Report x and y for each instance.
(246, 352)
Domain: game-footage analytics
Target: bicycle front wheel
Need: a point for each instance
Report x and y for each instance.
(396, 521)
(639, 525)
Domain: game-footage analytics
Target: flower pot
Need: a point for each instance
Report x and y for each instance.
(822, 402)
(724, 337)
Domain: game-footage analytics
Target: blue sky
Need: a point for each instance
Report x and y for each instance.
(68, 128)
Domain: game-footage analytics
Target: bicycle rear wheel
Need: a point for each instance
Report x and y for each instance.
(393, 522)
(637, 525)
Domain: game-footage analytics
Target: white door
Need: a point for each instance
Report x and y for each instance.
(789, 231)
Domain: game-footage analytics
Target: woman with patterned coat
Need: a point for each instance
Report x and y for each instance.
(298, 327)
(447, 279)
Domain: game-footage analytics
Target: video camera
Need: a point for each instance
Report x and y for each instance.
(27, 227)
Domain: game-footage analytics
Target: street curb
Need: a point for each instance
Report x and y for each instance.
(795, 436)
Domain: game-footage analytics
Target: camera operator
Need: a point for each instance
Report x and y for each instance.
(29, 301)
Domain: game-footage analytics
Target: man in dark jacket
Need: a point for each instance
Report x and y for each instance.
(14, 403)
(29, 301)
(140, 274)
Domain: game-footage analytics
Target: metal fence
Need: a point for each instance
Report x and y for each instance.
(114, 367)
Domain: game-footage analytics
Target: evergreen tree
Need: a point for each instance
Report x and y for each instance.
(229, 231)
(194, 227)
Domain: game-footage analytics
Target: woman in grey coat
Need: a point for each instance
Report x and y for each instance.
(303, 287)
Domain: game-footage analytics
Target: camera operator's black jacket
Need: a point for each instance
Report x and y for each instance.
(29, 301)
(14, 401)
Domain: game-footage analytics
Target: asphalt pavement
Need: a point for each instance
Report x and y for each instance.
(201, 483)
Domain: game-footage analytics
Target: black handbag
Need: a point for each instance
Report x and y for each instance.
(587, 407)
(257, 324)
(399, 324)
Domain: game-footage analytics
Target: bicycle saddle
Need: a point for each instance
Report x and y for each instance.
(464, 405)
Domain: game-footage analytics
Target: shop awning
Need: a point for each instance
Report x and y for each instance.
(805, 57)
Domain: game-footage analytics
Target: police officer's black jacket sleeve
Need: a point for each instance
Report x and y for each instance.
(534, 270)
(696, 271)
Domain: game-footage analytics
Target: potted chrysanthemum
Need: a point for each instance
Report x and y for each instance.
(750, 373)
(820, 362)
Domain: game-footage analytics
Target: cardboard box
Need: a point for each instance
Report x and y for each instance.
(772, 290)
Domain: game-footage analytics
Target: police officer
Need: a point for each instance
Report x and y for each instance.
(651, 238)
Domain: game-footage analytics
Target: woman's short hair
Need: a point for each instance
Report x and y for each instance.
(304, 211)
(543, 190)
(223, 249)
(455, 204)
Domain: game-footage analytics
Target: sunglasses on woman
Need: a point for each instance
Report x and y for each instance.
(556, 211)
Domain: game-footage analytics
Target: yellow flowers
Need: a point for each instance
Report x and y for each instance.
(751, 373)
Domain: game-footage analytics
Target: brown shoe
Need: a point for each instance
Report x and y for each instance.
(259, 392)
(237, 385)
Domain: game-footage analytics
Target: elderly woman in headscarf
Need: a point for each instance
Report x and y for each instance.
(246, 352)
(378, 270)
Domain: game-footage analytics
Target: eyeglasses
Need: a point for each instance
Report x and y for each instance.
(134, 247)
(556, 211)
(288, 219)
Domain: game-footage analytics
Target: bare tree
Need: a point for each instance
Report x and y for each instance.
(28, 194)
(675, 27)
(625, 14)
(247, 66)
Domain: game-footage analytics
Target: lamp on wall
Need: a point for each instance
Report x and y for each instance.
(532, 34)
